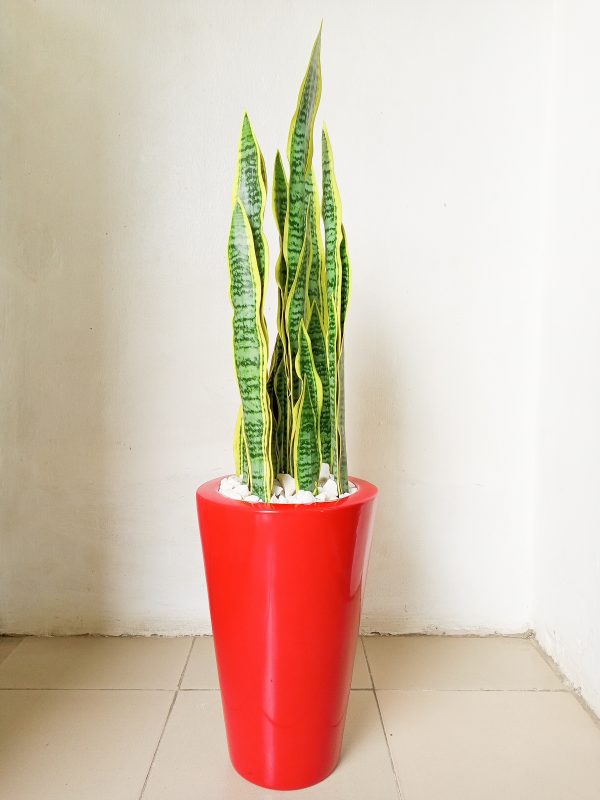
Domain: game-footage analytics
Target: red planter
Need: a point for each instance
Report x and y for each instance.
(285, 586)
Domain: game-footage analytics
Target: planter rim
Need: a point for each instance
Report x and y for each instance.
(209, 492)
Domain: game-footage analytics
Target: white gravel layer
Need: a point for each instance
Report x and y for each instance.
(284, 489)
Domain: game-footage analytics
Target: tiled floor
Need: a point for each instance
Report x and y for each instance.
(430, 718)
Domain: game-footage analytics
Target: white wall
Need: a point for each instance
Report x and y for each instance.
(119, 139)
(567, 618)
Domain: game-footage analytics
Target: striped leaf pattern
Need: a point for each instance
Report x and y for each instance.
(292, 415)
(316, 332)
(250, 351)
(317, 280)
(332, 220)
(296, 308)
(307, 444)
(250, 188)
(299, 150)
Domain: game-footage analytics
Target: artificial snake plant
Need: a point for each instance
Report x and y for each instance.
(291, 418)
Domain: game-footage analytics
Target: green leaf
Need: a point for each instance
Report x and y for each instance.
(332, 219)
(296, 310)
(250, 350)
(341, 412)
(299, 150)
(307, 461)
(341, 432)
(306, 369)
(316, 332)
(280, 195)
(239, 448)
(250, 187)
(346, 288)
(282, 432)
(307, 444)
(276, 361)
(317, 280)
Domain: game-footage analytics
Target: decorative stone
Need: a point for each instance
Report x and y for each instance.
(251, 498)
(330, 489)
(284, 489)
(288, 483)
(304, 497)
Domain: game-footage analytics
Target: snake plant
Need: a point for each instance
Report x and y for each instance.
(291, 418)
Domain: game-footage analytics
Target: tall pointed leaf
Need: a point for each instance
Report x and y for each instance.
(318, 344)
(307, 449)
(341, 411)
(332, 218)
(317, 280)
(250, 186)
(296, 309)
(280, 200)
(250, 350)
(299, 150)
(276, 361)
(282, 432)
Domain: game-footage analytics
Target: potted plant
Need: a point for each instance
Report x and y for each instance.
(286, 540)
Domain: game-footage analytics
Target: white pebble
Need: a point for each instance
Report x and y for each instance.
(304, 497)
(353, 489)
(288, 483)
(241, 489)
(321, 497)
(330, 489)
(278, 489)
(344, 494)
(228, 484)
(230, 494)
(251, 498)
(324, 474)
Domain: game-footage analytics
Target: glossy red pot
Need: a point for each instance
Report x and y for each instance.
(285, 586)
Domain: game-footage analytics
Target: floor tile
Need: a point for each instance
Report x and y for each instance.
(461, 745)
(360, 677)
(201, 671)
(7, 645)
(457, 662)
(81, 662)
(78, 745)
(192, 759)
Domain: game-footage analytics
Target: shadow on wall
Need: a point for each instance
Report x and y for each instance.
(59, 209)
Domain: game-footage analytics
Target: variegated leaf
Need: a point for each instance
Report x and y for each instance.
(332, 219)
(282, 433)
(317, 280)
(250, 186)
(318, 343)
(296, 308)
(239, 448)
(250, 350)
(307, 460)
(299, 150)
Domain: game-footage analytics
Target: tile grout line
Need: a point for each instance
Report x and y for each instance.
(569, 686)
(164, 727)
(387, 744)
(564, 690)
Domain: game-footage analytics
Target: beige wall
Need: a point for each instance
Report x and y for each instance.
(118, 144)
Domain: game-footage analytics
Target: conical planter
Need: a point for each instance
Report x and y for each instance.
(285, 586)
